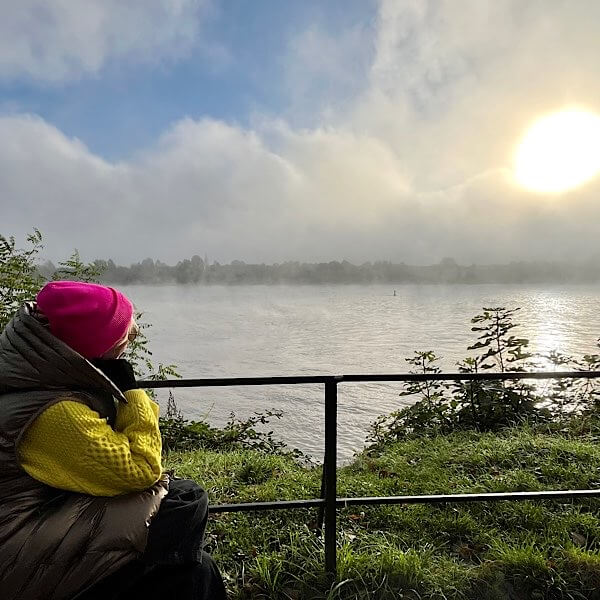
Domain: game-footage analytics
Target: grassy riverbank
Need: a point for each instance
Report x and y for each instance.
(520, 550)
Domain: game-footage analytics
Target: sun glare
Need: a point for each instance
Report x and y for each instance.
(559, 152)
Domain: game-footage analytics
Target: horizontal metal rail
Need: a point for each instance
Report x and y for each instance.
(426, 499)
(329, 501)
(321, 379)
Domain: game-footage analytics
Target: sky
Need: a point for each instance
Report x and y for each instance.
(305, 130)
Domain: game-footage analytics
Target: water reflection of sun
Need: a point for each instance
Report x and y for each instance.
(546, 331)
(546, 341)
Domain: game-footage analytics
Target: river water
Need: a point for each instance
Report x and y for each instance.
(238, 331)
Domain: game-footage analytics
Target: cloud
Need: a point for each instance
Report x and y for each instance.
(63, 40)
(415, 166)
(204, 184)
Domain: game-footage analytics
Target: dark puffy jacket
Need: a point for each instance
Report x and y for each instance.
(55, 543)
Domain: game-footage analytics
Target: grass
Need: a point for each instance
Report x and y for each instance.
(504, 550)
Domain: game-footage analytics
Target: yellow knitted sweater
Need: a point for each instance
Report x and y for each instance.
(70, 447)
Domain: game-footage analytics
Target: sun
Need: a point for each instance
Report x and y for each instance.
(560, 151)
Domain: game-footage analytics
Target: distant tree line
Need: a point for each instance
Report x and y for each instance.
(199, 271)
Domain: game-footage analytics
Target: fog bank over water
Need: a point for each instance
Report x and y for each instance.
(200, 271)
(238, 331)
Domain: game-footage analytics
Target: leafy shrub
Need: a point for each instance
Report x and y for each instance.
(179, 434)
(19, 279)
(490, 405)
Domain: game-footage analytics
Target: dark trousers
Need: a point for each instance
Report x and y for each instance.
(173, 563)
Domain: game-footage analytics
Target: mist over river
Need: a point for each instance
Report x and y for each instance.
(243, 331)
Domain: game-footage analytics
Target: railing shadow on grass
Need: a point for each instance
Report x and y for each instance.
(329, 502)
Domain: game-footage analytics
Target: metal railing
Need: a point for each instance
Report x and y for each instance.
(329, 502)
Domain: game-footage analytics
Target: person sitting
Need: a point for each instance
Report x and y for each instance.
(86, 511)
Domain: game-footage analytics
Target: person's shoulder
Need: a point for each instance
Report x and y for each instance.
(70, 406)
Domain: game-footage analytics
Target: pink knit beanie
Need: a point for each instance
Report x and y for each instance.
(90, 318)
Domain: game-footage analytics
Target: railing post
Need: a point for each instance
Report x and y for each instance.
(330, 469)
(321, 513)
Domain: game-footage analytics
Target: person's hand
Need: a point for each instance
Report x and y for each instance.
(118, 370)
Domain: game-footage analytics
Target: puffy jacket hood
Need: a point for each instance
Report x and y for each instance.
(31, 358)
